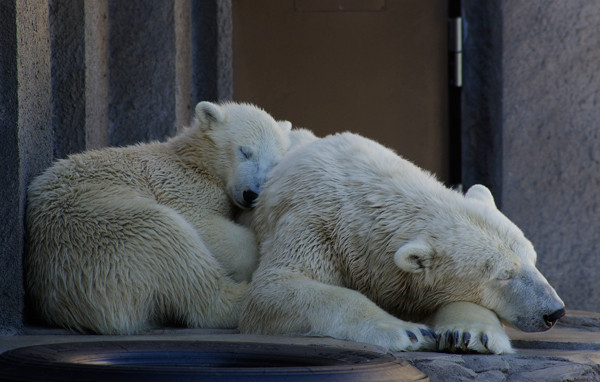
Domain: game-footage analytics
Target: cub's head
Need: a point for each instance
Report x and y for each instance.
(476, 254)
(246, 143)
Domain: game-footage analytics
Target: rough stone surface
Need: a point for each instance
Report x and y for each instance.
(531, 110)
(568, 352)
(67, 41)
(142, 71)
(25, 137)
(96, 73)
(11, 240)
(212, 33)
(184, 72)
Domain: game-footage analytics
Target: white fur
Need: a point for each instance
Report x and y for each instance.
(123, 239)
(360, 244)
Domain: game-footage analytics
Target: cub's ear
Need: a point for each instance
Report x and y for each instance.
(414, 256)
(209, 113)
(482, 194)
(285, 125)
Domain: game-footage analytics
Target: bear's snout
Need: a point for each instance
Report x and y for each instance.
(550, 319)
(249, 197)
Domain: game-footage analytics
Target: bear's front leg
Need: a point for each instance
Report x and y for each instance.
(233, 245)
(285, 301)
(467, 327)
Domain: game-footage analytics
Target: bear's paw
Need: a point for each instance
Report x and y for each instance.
(467, 327)
(398, 335)
(473, 340)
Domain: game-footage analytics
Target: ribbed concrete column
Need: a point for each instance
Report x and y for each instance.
(96, 73)
(141, 71)
(82, 75)
(79, 46)
(26, 139)
(212, 52)
(67, 41)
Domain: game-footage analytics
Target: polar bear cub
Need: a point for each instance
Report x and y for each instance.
(123, 239)
(360, 244)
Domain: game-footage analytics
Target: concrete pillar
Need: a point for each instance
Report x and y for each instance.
(96, 73)
(26, 138)
(184, 103)
(79, 43)
(212, 52)
(532, 94)
(82, 75)
(141, 71)
(67, 41)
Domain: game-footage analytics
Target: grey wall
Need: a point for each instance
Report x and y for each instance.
(531, 129)
(79, 75)
(25, 137)
(141, 63)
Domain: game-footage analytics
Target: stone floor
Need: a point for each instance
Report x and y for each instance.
(569, 352)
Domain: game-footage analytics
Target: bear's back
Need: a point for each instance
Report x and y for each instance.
(150, 171)
(342, 170)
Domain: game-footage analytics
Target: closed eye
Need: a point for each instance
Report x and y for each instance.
(246, 153)
(507, 274)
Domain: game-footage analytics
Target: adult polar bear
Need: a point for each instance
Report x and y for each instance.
(122, 239)
(353, 238)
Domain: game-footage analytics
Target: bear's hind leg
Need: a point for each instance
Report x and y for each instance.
(114, 262)
(193, 287)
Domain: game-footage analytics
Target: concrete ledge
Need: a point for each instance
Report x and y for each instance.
(569, 352)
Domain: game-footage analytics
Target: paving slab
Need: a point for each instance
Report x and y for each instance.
(568, 352)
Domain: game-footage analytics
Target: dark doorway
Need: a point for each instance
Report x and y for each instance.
(375, 67)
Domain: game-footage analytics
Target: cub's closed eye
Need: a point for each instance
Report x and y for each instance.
(245, 152)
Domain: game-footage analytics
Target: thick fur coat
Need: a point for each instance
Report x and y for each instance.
(120, 240)
(360, 244)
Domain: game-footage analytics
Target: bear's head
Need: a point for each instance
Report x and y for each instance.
(246, 143)
(476, 254)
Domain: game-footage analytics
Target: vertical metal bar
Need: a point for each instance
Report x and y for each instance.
(455, 90)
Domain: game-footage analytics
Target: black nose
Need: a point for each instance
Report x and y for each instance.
(249, 196)
(552, 318)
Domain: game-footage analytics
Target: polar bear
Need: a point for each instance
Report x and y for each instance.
(359, 244)
(121, 240)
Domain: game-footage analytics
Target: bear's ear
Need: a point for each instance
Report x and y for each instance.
(414, 256)
(285, 125)
(482, 194)
(209, 113)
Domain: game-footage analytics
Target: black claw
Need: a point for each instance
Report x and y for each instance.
(448, 339)
(426, 333)
(413, 338)
(433, 334)
(466, 338)
(456, 338)
(484, 340)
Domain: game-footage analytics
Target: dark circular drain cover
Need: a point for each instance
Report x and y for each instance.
(199, 361)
